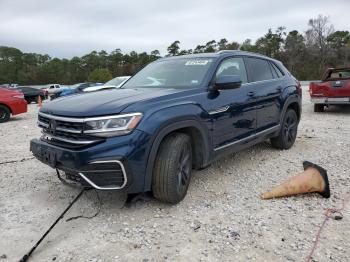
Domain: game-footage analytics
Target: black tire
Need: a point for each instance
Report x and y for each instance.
(29, 100)
(172, 168)
(288, 131)
(5, 114)
(318, 108)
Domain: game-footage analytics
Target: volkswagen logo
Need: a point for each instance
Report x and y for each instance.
(52, 126)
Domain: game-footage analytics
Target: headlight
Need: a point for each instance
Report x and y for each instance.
(112, 125)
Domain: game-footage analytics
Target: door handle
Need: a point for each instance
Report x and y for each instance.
(279, 89)
(251, 93)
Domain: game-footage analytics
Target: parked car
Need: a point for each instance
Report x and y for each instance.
(12, 102)
(31, 94)
(77, 89)
(116, 82)
(176, 114)
(333, 89)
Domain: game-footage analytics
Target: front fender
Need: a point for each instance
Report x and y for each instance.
(162, 122)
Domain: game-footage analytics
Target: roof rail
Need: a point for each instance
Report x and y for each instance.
(241, 51)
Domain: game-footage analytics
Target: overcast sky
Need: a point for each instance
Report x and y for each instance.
(67, 28)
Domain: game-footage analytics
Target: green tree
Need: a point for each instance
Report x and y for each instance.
(270, 44)
(174, 48)
(100, 75)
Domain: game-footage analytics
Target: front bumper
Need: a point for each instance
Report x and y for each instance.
(331, 100)
(116, 163)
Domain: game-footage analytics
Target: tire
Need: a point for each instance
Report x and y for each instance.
(29, 100)
(172, 168)
(288, 131)
(318, 108)
(5, 114)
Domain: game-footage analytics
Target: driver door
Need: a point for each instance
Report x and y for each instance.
(233, 111)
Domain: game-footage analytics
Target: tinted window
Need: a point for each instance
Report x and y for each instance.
(277, 70)
(273, 70)
(258, 69)
(233, 66)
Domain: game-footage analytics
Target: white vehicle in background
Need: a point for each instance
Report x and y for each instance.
(113, 83)
(53, 89)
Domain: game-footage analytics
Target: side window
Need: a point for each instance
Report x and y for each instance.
(51, 87)
(273, 70)
(233, 66)
(278, 71)
(258, 69)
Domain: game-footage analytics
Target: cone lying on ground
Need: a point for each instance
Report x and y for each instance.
(313, 179)
(40, 101)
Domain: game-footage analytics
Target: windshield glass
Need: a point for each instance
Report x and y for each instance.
(116, 81)
(172, 73)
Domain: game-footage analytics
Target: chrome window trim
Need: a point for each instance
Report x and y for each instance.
(271, 129)
(106, 187)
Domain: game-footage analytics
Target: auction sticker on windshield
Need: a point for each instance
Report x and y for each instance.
(197, 62)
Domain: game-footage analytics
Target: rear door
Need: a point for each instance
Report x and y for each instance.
(232, 111)
(267, 86)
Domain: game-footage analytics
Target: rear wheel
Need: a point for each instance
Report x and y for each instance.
(172, 168)
(318, 108)
(5, 114)
(288, 131)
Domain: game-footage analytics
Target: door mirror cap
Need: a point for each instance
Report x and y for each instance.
(227, 82)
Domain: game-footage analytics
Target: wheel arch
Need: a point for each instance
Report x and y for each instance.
(199, 142)
(8, 107)
(294, 103)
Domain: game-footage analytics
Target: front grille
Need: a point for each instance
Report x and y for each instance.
(66, 132)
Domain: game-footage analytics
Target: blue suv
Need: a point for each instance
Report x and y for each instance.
(175, 115)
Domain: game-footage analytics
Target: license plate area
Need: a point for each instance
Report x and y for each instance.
(44, 154)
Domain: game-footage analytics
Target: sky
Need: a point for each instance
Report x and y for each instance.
(68, 28)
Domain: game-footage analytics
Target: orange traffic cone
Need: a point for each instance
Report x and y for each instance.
(313, 179)
(40, 102)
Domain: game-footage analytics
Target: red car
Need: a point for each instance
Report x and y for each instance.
(11, 102)
(333, 89)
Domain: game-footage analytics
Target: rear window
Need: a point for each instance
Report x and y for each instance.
(340, 74)
(258, 69)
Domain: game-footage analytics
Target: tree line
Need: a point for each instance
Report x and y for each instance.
(305, 54)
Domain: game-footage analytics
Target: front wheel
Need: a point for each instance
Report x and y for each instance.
(288, 131)
(172, 168)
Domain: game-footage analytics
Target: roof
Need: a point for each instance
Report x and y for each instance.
(216, 54)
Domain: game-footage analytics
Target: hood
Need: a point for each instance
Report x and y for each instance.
(105, 102)
(9, 92)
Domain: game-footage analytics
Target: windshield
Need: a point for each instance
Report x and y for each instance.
(116, 81)
(172, 73)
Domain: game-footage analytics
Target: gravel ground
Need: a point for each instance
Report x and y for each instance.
(221, 219)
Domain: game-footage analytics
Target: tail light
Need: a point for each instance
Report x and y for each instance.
(298, 87)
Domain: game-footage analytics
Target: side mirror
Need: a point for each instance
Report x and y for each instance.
(227, 82)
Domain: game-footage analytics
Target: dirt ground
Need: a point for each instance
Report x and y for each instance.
(221, 219)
